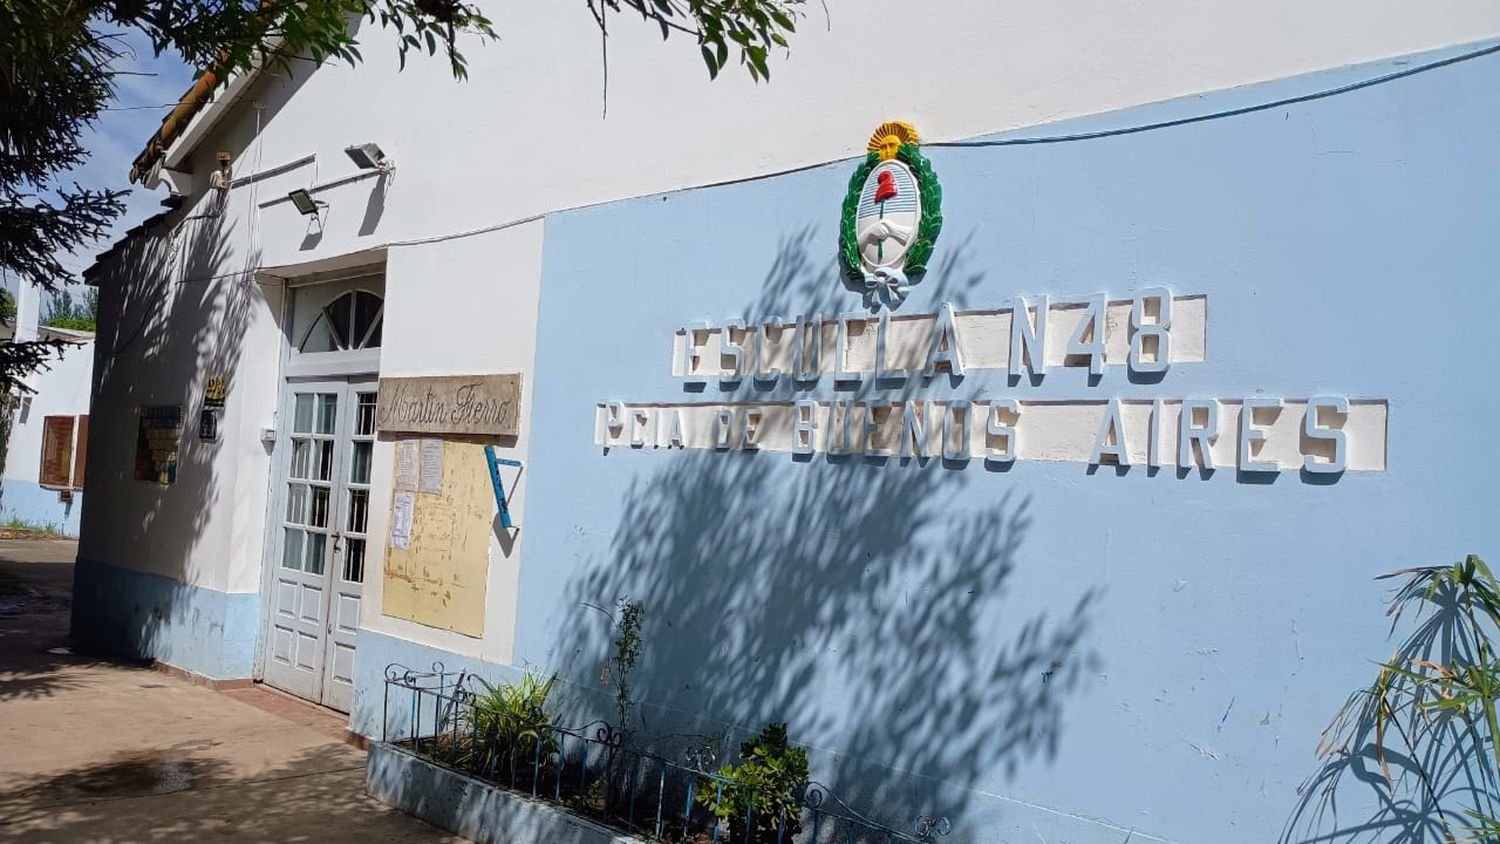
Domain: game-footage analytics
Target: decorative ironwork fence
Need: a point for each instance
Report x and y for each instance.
(591, 771)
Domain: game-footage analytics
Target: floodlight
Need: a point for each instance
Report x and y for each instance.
(365, 156)
(306, 205)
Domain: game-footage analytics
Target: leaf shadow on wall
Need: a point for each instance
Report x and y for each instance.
(173, 312)
(176, 301)
(870, 605)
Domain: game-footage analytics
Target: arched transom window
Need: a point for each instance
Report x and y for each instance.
(352, 321)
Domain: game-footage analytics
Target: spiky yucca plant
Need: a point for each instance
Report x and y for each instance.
(1429, 720)
(512, 725)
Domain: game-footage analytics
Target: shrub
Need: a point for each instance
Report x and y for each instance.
(512, 724)
(761, 794)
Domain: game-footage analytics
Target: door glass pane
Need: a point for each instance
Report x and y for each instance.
(318, 515)
(322, 460)
(296, 503)
(328, 405)
(359, 510)
(317, 543)
(364, 419)
(302, 415)
(354, 561)
(291, 556)
(359, 463)
(301, 451)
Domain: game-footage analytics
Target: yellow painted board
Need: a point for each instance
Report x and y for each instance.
(439, 580)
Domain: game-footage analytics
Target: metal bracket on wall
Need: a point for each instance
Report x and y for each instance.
(495, 463)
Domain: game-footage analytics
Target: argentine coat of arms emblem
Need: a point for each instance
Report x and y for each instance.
(892, 216)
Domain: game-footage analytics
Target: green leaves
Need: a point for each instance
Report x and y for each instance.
(750, 28)
(512, 722)
(1430, 717)
(628, 645)
(762, 787)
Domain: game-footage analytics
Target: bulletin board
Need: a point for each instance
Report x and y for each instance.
(438, 546)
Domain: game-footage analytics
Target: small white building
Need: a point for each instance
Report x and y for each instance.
(47, 449)
(1098, 561)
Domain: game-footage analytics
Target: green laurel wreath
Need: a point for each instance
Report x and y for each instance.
(928, 227)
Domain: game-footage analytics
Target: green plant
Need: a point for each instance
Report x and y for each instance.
(1429, 721)
(759, 799)
(512, 725)
(64, 312)
(17, 523)
(627, 654)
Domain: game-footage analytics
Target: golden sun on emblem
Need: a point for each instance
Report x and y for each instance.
(888, 139)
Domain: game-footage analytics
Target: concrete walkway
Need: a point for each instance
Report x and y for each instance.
(100, 751)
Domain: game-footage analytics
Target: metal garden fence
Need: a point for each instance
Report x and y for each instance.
(590, 770)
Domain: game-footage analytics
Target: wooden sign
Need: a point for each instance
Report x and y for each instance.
(469, 405)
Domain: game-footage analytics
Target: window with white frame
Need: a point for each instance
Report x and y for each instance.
(351, 321)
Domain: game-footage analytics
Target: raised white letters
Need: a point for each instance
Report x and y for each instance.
(996, 427)
(1088, 338)
(1028, 342)
(1317, 425)
(943, 350)
(1110, 440)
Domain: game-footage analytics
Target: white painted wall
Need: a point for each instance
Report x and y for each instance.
(448, 311)
(526, 134)
(175, 309)
(62, 389)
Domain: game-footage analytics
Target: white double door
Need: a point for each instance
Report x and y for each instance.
(323, 510)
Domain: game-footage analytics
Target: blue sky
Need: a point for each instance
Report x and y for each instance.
(146, 88)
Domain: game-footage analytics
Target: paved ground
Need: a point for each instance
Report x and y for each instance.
(100, 751)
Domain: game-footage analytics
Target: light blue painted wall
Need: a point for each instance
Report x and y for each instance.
(1044, 652)
(149, 616)
(29, 502)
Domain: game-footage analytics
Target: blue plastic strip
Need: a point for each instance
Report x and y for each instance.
(495, 463)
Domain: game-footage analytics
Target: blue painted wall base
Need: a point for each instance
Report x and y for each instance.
(149, 616)
(29, 502)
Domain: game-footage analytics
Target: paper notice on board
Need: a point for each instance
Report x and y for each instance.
(406, 466)
(401, 518)
(432, 467)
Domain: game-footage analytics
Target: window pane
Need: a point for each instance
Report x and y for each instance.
(364, 418)
(301, 458)
(328, 410)
(374, 341)
(359, 510)
(296, 503)
(339, 312)
(366, 309)
(322, 460)
(291, 555)
(359, 463)
(318, 515)
(320, 338)
(317, 543)
(302, 416)
(354, 561)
